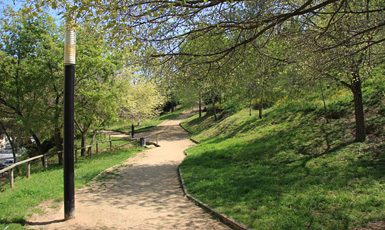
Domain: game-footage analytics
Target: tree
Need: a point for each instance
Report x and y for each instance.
(97, 92)
(354, 29)
(139, 101)
(338, 48)
(24, 43)
(169, 23)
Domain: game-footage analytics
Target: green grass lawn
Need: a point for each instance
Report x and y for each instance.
(145, 125)
(289, 170)
(17, 204)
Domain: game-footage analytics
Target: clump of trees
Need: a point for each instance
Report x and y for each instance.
(31, 85)
(243, 53)
(254, 50)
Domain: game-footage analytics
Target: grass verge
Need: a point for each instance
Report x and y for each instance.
(16, 203)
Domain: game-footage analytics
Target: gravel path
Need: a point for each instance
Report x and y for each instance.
(146, 195)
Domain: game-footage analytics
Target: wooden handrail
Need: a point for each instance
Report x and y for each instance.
(20, 163)
(10, 168)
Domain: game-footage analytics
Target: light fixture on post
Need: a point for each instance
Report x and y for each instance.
(69, 78)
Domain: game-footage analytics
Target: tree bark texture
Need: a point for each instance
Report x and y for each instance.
(83, 144)
(59, 145)
(92, 141)
(38, 145)
(58, 139)
(359, 108)
(214, 108)
(261, 101)
(200, 104)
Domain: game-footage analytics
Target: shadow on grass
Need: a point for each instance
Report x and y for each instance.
(204, 123)
(280, 171)
(45, 223)
(20, 221)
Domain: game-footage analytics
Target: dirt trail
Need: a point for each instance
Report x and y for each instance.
(146, 195)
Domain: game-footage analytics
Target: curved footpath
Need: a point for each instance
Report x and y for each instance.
(146, 195)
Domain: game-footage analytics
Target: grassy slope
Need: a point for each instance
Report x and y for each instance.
(291, 170)
(16, 203)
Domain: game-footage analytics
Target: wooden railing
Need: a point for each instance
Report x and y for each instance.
(29, 160)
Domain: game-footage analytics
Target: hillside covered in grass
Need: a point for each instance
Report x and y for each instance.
(298, 167)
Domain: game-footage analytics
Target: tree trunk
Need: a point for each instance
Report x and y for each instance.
(83, 144)
(14, 153)
(12, 142)
(92, 141)
(324, 103)
(200, 104)
(13, 146)
(260, 107)
(58, 139)
(132, 131)
(359, 108)
(214, 108)
(250, 107)
(38, 145)
(58, 144)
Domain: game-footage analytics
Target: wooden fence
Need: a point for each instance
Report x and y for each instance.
(29, 160)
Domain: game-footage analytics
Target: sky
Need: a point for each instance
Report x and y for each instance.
(17, 4)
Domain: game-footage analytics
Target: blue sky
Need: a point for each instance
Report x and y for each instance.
(16, 4)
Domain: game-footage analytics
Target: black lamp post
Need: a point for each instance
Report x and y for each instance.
(69, 77)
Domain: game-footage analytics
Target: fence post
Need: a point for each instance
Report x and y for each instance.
(156, 139)
(136, 143)
(11, 177)
(110, 143)
(90, 150)
(76, 155)
(45, 162)
(97, 147)
(28, 170)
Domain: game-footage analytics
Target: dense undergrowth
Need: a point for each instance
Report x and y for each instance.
(291, 169)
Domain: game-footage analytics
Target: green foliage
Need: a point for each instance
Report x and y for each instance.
(140, 101)
(31, 86)
(29, 70)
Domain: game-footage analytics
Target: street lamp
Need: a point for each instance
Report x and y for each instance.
(69, 78)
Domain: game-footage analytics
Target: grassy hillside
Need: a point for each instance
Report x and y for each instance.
(292, 170)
